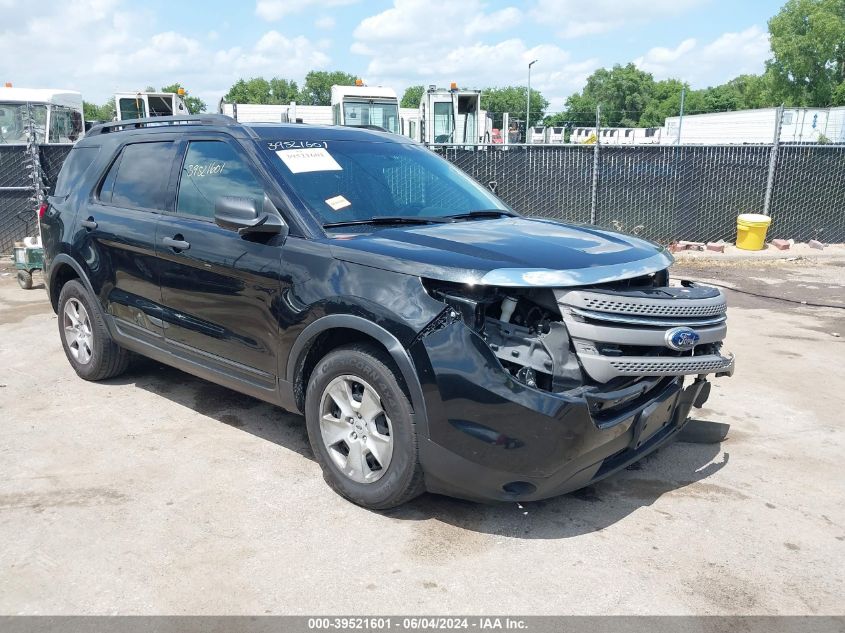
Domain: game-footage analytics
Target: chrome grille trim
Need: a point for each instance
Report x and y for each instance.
(642, 306)
(605, 368)
(609, 328)
(648, 321)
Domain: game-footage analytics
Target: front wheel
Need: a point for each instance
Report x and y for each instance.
(361, 428)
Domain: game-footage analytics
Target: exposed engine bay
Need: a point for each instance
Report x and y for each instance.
(559, 339)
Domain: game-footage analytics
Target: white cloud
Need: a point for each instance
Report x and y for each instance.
(712, 63)
(272, 10)
(98, 48)
(581, 18)
(452, 49)
(325, 22)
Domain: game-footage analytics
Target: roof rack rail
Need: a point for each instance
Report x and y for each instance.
(158, 121)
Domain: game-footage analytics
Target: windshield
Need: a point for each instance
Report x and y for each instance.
(368, 113)
(345, 181)
(13, 122)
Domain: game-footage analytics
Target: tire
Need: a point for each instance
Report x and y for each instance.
(89, 347)
(25, 279)
(369, 374)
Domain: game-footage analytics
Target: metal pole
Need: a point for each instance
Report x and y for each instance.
(595, 184)
(528, 100)
(681, 117)
(773, 160)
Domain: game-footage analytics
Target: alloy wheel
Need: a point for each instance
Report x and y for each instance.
(355, 429)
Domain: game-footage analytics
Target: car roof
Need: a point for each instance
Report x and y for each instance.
(122, 131)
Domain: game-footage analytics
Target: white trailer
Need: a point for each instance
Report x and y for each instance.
(799, 125)
(555, 135)
(537, 134)
(256, 112)
(142, 105)
(452, 116)
(56, 115)
(583, 136)
(409, 122)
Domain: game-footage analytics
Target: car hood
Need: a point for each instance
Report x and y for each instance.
(504, 252)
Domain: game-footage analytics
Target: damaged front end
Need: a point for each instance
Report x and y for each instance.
(577, 381)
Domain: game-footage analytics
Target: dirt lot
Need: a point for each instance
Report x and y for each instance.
(160, 493)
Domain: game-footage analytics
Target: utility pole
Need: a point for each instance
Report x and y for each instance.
(681, 118)
(594, 186)
(773, 161)
(528, 100)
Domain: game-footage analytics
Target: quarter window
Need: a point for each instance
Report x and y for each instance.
(138, 179)
(213, 169)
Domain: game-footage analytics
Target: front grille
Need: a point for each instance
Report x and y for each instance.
(652, 309)
(660, 302)
(623, 333)
(649, 366)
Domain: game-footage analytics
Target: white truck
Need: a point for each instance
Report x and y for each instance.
(355, 106)
(366, 106)
(56, 115)
(453, 116)
(142, 105)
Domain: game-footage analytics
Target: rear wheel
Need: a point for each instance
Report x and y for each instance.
(25, 279)
(361, 428)
(89, 347)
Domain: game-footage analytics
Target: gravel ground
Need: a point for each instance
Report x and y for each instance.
(158, 493)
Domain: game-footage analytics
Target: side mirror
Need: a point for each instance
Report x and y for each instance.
(243, 215)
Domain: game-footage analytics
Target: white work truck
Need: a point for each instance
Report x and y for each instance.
(56, 115)
(142, 105)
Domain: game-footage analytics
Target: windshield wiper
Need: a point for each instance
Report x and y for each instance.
(482, 213)
(390, 219)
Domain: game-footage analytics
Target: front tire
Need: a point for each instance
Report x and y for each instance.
(361, 428)
(88, 345)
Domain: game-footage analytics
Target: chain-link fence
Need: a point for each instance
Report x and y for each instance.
(668, 192)
(662, 192)
(20, 190)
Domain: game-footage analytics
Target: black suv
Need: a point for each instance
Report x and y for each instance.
(432, 337)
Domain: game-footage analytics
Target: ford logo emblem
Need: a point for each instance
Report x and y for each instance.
(681, 339)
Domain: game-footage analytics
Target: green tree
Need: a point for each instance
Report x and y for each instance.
(318, 85)
(195, 104)
(624, 92)
(412, 97)
(512, 99)
(754, 90)
(283, 90)
(93, 112)
(808, 46)
(253, 90)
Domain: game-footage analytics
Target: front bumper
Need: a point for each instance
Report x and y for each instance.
(491, 438)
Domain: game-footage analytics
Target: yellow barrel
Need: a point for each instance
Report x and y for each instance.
(751, 231)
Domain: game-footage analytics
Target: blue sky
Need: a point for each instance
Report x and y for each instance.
(102, 46)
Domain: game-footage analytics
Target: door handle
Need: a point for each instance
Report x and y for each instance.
(89, 223)
(176, 243)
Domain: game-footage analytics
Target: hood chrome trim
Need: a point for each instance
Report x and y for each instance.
(549, 278)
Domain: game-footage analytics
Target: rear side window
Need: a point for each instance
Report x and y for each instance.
(139, 177)
(213, 169)
(75, 165)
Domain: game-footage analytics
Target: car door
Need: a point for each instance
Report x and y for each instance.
(218, 287)
(117, 235)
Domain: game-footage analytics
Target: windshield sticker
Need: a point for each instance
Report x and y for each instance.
(277, 145)
(338, 202)
(305, 160)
